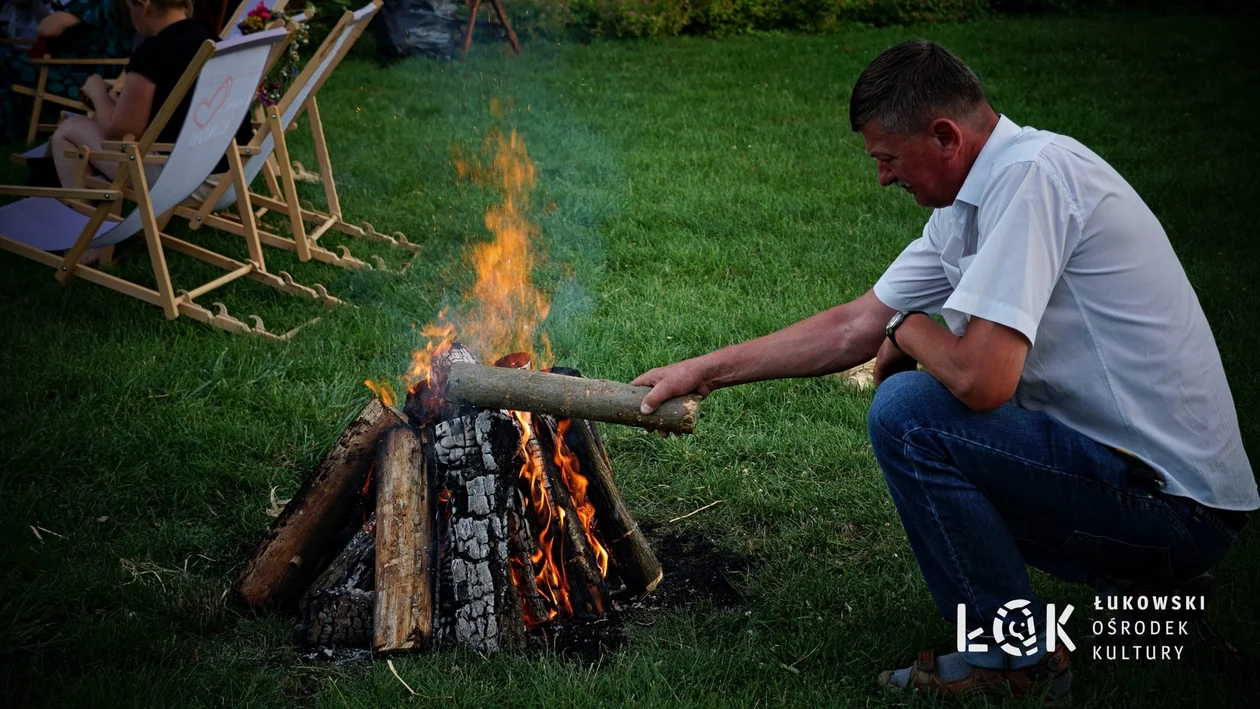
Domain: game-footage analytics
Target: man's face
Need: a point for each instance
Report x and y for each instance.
(925, 165)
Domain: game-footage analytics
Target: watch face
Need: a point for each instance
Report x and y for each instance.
(895, 321)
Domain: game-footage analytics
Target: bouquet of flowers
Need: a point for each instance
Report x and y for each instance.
(285, 70)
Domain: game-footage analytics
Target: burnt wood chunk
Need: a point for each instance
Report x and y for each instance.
(337, 609)
(588, 595)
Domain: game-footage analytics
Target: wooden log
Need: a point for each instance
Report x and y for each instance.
(522, 547)
(293, 550)
(588, 596)
(633, 557)
(566, 397)
(404, 544)
(337, 609)
(478, 605)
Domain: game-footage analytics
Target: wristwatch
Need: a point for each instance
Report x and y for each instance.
(900, 317)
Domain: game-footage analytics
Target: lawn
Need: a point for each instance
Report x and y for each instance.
(692, 193)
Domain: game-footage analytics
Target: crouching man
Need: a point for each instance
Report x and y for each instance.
(1073, 412)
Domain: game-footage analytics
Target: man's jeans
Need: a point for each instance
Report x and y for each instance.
(981, 495)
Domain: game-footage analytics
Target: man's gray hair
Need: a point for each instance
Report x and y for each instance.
(910, 85)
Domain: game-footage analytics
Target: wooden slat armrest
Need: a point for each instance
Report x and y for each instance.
(150, 159)
(59, 192)
(82, 61)
(122, 145)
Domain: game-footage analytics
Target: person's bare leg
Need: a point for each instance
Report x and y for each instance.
(74, 132)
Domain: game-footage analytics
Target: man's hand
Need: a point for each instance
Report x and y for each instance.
(687, 377)
(890, 361)
(690, 376)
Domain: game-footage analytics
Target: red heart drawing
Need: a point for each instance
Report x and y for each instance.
(212, 104)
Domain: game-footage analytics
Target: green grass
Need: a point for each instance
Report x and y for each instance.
(692, 193)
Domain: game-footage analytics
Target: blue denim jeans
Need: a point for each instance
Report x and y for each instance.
(982, 495)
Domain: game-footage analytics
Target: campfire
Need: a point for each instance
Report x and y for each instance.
(483, 511)
(444, 525)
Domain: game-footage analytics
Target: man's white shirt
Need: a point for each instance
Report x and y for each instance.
(1046, 238)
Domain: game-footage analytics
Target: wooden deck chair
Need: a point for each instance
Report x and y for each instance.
(222, 79)
(230, 31)
(269, 141)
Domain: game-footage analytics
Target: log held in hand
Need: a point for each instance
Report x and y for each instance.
(567, 397)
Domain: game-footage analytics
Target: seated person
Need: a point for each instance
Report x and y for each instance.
(171, 40)
(75, 29)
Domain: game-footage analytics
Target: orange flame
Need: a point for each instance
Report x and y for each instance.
(383, 391)
(547, 557)
(570, 469)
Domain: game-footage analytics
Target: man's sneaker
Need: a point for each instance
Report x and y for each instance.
(1050, 679)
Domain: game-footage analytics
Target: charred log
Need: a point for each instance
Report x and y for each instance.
(478, 606)
(337, 609)
(587, 593)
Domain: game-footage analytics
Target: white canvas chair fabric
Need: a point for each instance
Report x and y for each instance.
(291, 104)
(269, 154)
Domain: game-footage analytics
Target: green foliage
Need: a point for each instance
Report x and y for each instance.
(722, 18)
(719, 18)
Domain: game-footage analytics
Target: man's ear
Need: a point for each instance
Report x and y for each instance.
(945, 135)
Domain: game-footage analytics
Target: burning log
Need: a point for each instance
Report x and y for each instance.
(522, 548)
(337, 610)
(426, 403)
(478, 605)
(566, 397)
(635, 562)
(404, 544)
(291, 553)
(587, 591)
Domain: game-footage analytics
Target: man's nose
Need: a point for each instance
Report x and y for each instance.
(885, 174)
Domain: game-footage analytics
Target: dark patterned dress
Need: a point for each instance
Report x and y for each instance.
(102, 32)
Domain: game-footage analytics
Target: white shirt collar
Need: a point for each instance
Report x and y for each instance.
(978, 178)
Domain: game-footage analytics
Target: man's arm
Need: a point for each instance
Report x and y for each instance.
(831, 341)
(55, 24)
(981, 368)
(129, 115)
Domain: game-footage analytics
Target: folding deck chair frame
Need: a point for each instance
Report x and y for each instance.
(274, 162)
(222, 93)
